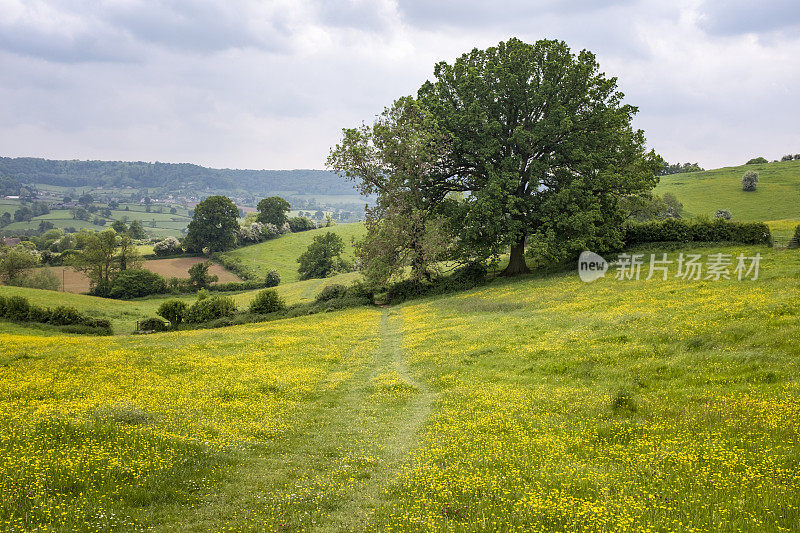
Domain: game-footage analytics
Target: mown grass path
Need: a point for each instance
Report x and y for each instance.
(364, 497)
(330, 472)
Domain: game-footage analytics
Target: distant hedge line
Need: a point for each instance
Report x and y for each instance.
(19, 309)
(679, 230)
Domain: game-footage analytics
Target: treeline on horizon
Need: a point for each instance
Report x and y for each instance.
(173, 176)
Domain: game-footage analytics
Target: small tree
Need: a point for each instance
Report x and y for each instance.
(267, 301)
(322, 257)
(96, 258)
(787, 157)
(119, 226)
(136, 230)
(757, 161)
(199, 276)
(273, 210)
(173, 311)
(15, 261)
(749, 181)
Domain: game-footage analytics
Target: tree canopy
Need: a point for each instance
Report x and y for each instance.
(543, 146)
(213, 226)
(322, 257)
(395, 159)
(273, 210)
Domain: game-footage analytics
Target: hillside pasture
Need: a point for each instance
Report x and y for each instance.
(702, 193)
(281, 253)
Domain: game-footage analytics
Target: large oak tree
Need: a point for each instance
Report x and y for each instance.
(543, 147)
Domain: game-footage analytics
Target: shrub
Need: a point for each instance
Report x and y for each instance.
(237, 286)
(38, 314)
(359, 289)
(2, 306)
(405, 290)
(787, 157)
(99, 323)
(173, 311)
(63, 316)
(273, 279)
(473, 272)
(723, 213)
(168, 246)
(331, 292)
(206, 309)
(301, 224)
(797, 157)
(718, 230)
(199, 276)
(39, 278)
(153, 324)
(136, 283)
(267, 301)
(17, 308)
(795, 242)
(749, 181)
(757, 161)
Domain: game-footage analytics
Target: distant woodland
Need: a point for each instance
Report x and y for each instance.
(169, 176)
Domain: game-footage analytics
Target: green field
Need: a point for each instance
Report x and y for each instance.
(155, 224)
(281, 254)
(532, 404)
(702, 193)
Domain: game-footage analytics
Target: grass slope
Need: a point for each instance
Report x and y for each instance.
(702, 193)
(527, 405)
(281, 254)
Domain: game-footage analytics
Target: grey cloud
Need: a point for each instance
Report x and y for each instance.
(357, 14)
(739, 16)
(477, 13)
(126, 32)
(195, 26)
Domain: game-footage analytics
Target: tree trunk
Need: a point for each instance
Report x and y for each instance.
(516, 263)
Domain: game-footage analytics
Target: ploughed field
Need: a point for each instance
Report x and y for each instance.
(541, 403)
(77, 282)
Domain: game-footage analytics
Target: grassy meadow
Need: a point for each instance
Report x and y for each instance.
(532, 404)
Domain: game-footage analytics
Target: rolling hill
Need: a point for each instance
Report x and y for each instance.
(281, 254)
(776, 201)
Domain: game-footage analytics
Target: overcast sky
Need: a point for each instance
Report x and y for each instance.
(270, 84)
